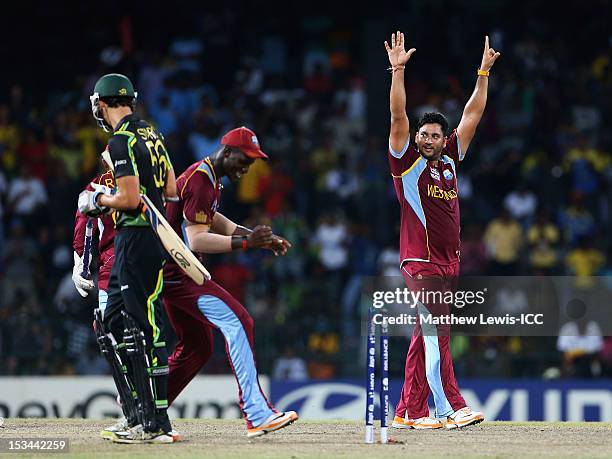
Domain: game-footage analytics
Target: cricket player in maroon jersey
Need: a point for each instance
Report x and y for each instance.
(194, 309)
(425, 178)
(104, 227)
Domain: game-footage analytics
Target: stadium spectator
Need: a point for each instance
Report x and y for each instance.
(543, 238)
(473, 252)
(290, 367)
(577, 222)
(20, 261)
(522, 204)
(26, 197)
(583, 262)
(504, 239)
(580, 342)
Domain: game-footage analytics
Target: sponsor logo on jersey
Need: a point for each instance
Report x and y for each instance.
(435, 191)
(448, 175)
(434, 173)
(120, 162)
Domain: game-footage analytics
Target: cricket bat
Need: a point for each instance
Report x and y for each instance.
(173, 244)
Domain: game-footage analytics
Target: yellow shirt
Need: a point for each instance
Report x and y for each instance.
(9, 138)
(247, 186)
(584, 263)
(542, 239)
(91, 141)
(504, 240)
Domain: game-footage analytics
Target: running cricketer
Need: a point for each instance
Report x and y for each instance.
(134, 314)
(425, 178)
(194, 310)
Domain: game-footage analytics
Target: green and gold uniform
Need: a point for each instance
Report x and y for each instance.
(136, 279)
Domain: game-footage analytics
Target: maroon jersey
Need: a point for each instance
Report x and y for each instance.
(429, 203)
(104, 228)
(199, 192)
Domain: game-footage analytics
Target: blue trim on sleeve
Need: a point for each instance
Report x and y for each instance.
(204, 167)
(410, 183)
(461, 155)
(401, 153)
(448, 160)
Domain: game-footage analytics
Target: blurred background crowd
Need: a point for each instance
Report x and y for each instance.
(535, 186)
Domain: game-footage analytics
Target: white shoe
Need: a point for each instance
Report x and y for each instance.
(463, 417)
(110, 432)
(426, 423)
(275, 422)
(138, 435)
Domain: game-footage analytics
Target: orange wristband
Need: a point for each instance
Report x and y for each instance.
(483, 73)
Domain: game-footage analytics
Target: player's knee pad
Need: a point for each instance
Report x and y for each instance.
(111, 351)
(149, 362)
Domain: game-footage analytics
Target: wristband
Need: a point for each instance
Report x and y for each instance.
(397, 67)
(244, 242)
(483, 72)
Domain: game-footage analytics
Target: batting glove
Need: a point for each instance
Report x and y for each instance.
(103, 188)
(88, 200)
(87, 203)
(82, 285)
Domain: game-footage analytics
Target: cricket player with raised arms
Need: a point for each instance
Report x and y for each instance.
(425, 178)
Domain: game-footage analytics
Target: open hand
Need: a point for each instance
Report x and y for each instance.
(397, 54)
(489, 56)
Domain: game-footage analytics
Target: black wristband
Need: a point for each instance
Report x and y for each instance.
(239, 242)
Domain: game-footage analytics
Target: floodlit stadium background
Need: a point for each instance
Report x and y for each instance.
(535, 188)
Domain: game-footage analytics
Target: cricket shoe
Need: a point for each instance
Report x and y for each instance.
(401, 423)
(138, 435)
(419, 423)
(275, 422)
(463, 418)
(425, 423)
(108, 433)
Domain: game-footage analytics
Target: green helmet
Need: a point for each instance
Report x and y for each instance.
(114, 85)
(110, 85)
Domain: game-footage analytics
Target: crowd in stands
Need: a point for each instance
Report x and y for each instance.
(535, 190)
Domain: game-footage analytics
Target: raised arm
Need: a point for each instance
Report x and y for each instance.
(472, 113)
(398, 57)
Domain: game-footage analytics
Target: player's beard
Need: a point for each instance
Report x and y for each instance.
(432, 154)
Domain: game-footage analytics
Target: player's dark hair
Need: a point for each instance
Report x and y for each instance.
(434, 117)
(120, 101)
